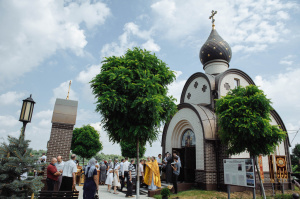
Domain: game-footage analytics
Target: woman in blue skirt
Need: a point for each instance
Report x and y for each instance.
(91, 180)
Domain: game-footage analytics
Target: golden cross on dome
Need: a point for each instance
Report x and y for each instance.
(213, 13)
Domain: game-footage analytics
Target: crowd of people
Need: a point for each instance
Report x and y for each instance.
(61, 176)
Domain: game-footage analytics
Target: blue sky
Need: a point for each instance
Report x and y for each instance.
(45, 44)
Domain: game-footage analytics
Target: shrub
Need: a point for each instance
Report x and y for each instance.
(165, 192)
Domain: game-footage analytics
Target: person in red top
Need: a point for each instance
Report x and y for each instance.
(52, 174)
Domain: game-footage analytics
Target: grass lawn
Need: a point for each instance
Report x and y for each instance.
(202, 194)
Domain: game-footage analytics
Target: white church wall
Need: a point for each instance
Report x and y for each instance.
(186, 119)
(229, 80)
(280, 150)
(215, 68)
(241, 155)
(198, 92)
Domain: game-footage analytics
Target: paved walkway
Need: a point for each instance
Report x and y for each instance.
(104, 194)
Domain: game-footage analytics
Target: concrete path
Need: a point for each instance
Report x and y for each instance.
(104, 194)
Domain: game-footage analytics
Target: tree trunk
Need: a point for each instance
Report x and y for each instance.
(253, 158)
(137, 169)
(83, 162)
(261, 183)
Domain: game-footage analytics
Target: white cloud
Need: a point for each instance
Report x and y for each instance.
(62, 91)
(38, 134)
(108, 147)
(44, 114)
(12, 97)
(130, 29)
(287, 60)
(87, 75)
(91, 14)
(45, 118)
(34, 30)
(176, 87)
(253, 24)
(8, 121)
(283, 84)
(85, 116)
(283, 92)
(151, 46)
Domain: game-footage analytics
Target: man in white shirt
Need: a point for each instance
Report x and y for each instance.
(59, 166)
(141, 172)
(97, 165)
(125, 172)
(159, 162)
(69, 175)
(175, 155)
(44, 158)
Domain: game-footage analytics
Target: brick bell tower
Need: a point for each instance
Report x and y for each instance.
(63, 121)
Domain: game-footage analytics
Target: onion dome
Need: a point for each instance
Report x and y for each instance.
(215, 49)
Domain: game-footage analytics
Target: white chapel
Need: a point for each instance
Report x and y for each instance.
(192, 131)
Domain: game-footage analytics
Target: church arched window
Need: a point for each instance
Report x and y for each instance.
(188, 139)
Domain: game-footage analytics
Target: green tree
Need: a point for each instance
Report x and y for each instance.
(295, 158)
(38, 153)
(15, 160)
(244, 122)
(101, 156)
(131, 93)
(86, 142)
(128, 149)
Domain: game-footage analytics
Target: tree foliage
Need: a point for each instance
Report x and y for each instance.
(15, 160)
(86, 142)
(101, 156)
(295, 158)
(131, 93)
(128, 149)
(244, 122)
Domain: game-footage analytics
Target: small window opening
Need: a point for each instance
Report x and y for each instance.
(236, 82)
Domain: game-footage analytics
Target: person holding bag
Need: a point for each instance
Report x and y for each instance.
(91, 180)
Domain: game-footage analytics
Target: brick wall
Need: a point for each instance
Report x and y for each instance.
(208, 178)
(60, 141)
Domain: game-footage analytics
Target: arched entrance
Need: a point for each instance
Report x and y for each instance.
(187, 155)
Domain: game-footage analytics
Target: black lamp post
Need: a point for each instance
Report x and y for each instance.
(26, 112)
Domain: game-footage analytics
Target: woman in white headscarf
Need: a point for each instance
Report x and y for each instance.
(91, 180)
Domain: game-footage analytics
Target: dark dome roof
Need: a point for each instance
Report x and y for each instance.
(215, 48)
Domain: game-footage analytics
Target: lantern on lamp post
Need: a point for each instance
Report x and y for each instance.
(26, 112)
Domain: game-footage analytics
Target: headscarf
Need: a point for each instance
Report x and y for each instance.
(89, 171)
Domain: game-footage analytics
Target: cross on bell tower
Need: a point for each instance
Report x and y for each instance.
(213, 13)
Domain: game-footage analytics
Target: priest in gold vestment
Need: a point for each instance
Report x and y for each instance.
(152, 175)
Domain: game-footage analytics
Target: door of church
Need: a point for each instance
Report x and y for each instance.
(189, 164)
(188, 145)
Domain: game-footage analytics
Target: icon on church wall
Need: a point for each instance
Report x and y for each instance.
(240, 167)
(188, 139)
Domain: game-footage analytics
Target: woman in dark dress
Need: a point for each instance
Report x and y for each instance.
(102, 173)
(91, 180)
(169, 169)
